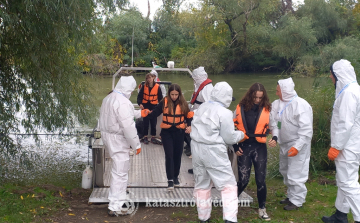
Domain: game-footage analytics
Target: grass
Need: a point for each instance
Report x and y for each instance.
(22, 204)
(320, 201)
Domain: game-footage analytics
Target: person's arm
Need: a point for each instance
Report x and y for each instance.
(273, 123)
(158, 110)
(125, 118)
(343, 119)
(160, 95)
(304, 118)
(140, 95)
(227, 131)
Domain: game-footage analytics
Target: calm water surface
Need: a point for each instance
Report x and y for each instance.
(239, 82)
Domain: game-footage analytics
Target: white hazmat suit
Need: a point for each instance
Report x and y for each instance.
(345, 136)
(118, 133)
(212, 129)
(199, 75)
(291, 120)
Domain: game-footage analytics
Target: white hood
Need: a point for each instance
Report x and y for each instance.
(345, 74)
(126, 85)
(153, 72)
(222, 92)
(199, 75)
(287, 89)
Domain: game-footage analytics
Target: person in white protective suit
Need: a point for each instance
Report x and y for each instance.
(118, 133)
(202, 90)
(212, 131)
(291, 123)
(345, 141)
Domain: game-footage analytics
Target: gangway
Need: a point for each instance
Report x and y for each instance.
(147, 176)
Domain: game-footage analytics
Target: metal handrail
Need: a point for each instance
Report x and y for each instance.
(147, 68)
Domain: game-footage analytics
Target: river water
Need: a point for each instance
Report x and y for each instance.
(239, 82)
(77, 146)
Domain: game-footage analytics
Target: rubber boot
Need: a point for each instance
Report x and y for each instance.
(338, 217)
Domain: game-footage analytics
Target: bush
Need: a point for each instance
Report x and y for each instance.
(321, 98)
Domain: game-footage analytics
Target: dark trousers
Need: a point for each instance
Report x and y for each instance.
(187, 139)
(173, 143)
(253, 153)
(152, 122)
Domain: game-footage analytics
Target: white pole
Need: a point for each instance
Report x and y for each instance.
(132, 49)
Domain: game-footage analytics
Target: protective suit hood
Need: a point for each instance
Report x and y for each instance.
(199, 75)
(153, 72)
(126, 85)
(345, 74)
(287, 89)
(222, 92)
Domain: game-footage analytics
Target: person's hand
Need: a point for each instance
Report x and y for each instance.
(272, 143)
(145, 112)
(292, 152)
(141, 106)
(138, 151)
(188, 129)
(240, 152)
(333, 153)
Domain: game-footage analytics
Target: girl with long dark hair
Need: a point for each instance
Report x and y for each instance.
(252, 116)
(176, 121)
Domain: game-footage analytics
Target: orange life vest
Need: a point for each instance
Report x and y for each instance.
(177, 119)
(262, 124)
(151, 96)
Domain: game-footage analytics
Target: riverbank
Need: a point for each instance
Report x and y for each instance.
(48, 203)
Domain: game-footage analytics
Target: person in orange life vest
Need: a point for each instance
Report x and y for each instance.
(252, 116)
(202, 90)
(176, 121)
(149, 96)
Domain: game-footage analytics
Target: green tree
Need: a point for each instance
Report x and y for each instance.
(121, 27)
(40, 42)
(293, 38)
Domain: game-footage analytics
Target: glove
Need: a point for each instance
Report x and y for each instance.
(333, 153)
(145, 112)
(292, 152)
(138, 151)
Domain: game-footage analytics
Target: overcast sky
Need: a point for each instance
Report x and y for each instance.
(155, 4)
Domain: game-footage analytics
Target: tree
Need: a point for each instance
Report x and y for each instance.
(40, 42)
(121, 27)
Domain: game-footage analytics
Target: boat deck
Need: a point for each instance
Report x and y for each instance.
(148, 183)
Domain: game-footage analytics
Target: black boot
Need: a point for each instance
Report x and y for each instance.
(338, 217)
(227, 221)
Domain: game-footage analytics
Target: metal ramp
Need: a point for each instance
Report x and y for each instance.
(147, 179)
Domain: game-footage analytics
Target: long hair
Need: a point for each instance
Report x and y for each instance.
(147, 75)
(180, 101)
(248, 100)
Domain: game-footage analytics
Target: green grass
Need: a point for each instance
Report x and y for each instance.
(22, 204)
(320, 201)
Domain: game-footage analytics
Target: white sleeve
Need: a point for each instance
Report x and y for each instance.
(343, 119)
(305, 122)
(163, 90)
(273, 123)
(227, 132)
(137, 113)
(125, 117)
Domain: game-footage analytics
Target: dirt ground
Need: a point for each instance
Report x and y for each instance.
(80, 211)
